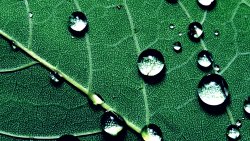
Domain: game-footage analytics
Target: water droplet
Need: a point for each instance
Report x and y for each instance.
(172, 1)
(151, 65)
(195, 32)
(56, 79)
(30, 14)
(205, 60)
(247, 106)
(97, 99)
(207, 4)
(68, 138)
(216, 68)
(233, 132)
(213, 93)
(216, 33)
(180, 34)
(13, 46)
(172, 26)
(177, 47)
(151, 132)
(78, 24)
(119, 7)
(112, 124)
(238, 123)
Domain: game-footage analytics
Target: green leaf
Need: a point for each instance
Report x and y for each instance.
(104, 61)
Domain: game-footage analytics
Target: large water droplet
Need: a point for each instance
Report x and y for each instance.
(247, 106)
(151, 65)
(56, 79)
(112, 124)
(78, 24)
(233, 133)
(238, 123)
(207, 4)
(177, 47)
(216, 33)
(68, 138)
(151, 132)
(205, 60)
(213, 93)
(171, 26)
(195, 32)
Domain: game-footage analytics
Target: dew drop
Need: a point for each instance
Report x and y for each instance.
(30, 14)
(151, 65)
(216, 68)
(233, 133)
(205, 60)
(207, 4)
(68, 138)
(13, 46)
(56, 79)
(213, 93)
(195, 32)
(177, 47)
(247, 106)
(238, 123)
(78, 24)
(151, 132)
(112, 124)
(171, 26)
(216, 33)
(180, 34)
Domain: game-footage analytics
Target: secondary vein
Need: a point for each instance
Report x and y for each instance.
(138, 49)
(30, 23)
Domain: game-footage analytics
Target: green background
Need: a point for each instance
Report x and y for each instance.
(31, 106)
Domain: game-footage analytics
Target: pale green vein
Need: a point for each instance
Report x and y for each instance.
(203, 45)
(204, 17)
(30, 23)
(185, 10)
(77, 5)
(230, 115)
(90, 62)
(229, 64)
(46, 137)
(137, 45)
(19, 68)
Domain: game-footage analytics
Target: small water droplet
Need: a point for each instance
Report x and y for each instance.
(151, 132)
(238, 123)
(68, 138)
(172, 1)
(205, 60)
(213, 93)
(180, 33)
(56, 79)
(233, 133)
(30, 14)
(216, 33)
(207, 4)
(151, 65)
(13, 46)
(177, 47)
(78, 24)
(112, 124)
(195, 32)
(119, 7)
(171, 26)
(97, 99)
(216, 68)
(247, 106)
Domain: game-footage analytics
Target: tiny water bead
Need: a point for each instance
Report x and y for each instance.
(213, 92)
(180, 33)
(68, 138)
(195, 32)
(112, 124)
(205, 60)
(151, 132)
(55, 78)
(238, 123)
(216, 33)
(247, 106)
(216, 68)
(177, 47)
(151, 65)
(207, 4)
(233, 133)
(30, 14)
(171, 26)
(78, 24)
(13, 46)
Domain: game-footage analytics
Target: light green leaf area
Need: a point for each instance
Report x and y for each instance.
(105, 61)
